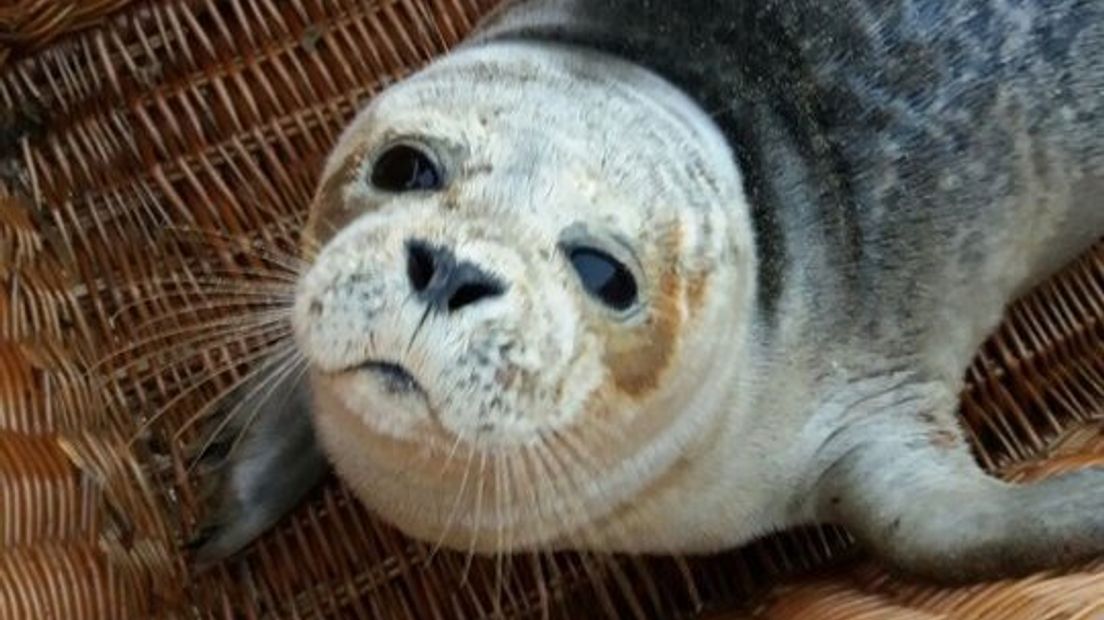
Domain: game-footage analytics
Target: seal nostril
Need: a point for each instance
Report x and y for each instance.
(471, 293)
(419, 266)
(444, 283)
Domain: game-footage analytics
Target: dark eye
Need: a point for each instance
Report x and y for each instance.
(604, 277)
(404, 168)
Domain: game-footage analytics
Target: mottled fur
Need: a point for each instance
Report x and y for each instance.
(829, 226)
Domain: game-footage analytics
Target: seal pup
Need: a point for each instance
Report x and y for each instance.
(651, 277)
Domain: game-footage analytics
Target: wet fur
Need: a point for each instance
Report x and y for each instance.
(908, 168)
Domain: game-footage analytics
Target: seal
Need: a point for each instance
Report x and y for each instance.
(655, 277)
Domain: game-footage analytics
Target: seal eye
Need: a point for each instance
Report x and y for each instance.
(604, 277)
(405, 168)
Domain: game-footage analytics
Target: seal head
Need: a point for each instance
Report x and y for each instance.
(524, 308)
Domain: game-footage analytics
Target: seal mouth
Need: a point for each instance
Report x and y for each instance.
(396, 379)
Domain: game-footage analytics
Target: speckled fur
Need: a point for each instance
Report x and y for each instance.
(873, 182)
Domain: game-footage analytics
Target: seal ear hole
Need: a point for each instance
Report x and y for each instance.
(604, 277)
(471, 293)
(406, 168)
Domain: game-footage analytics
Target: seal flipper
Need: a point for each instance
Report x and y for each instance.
(277, 462)
(912, 494)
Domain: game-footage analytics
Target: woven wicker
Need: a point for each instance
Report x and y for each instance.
(156, 158)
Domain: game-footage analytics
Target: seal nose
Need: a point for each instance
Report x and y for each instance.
(444, 283)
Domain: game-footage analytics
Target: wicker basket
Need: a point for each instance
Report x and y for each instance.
(147, 149)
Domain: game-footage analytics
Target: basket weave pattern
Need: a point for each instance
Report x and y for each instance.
(156, 158)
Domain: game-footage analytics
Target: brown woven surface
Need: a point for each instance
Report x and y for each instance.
(127, 127)
(29, 25)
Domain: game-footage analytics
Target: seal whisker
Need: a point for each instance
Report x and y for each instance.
(581, 535)
(152, 364)
(529, 482)
(449, 521)
(210, 376)
(541, 582)
(549, 480)
(577, 443)
(514, 502)
(215, 289)
(478, 522)
(187, 319)
(230, 284)
(201, 274)
(596, 540)
(292, 366)
(231, 281)
(647, 522)
(588, 460)
(257, 248)
(214, 284)
(575, 461)
(543, 472)
(196, 267)
(187, 314)
(532, 482)
(418, 329)
(277, 366)
(575, 524)
(261, 267)
(203, 329)
(501, 526)
(208, 333)
(566, 470)
(451, 453)
(590, 537)
(595, 575)
(234, 299)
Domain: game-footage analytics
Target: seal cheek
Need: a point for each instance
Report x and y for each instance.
(328, 212)
(637, 359)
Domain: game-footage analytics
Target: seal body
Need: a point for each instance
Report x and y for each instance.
(658, 277)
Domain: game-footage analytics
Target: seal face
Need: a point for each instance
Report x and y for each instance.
(516, 243)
